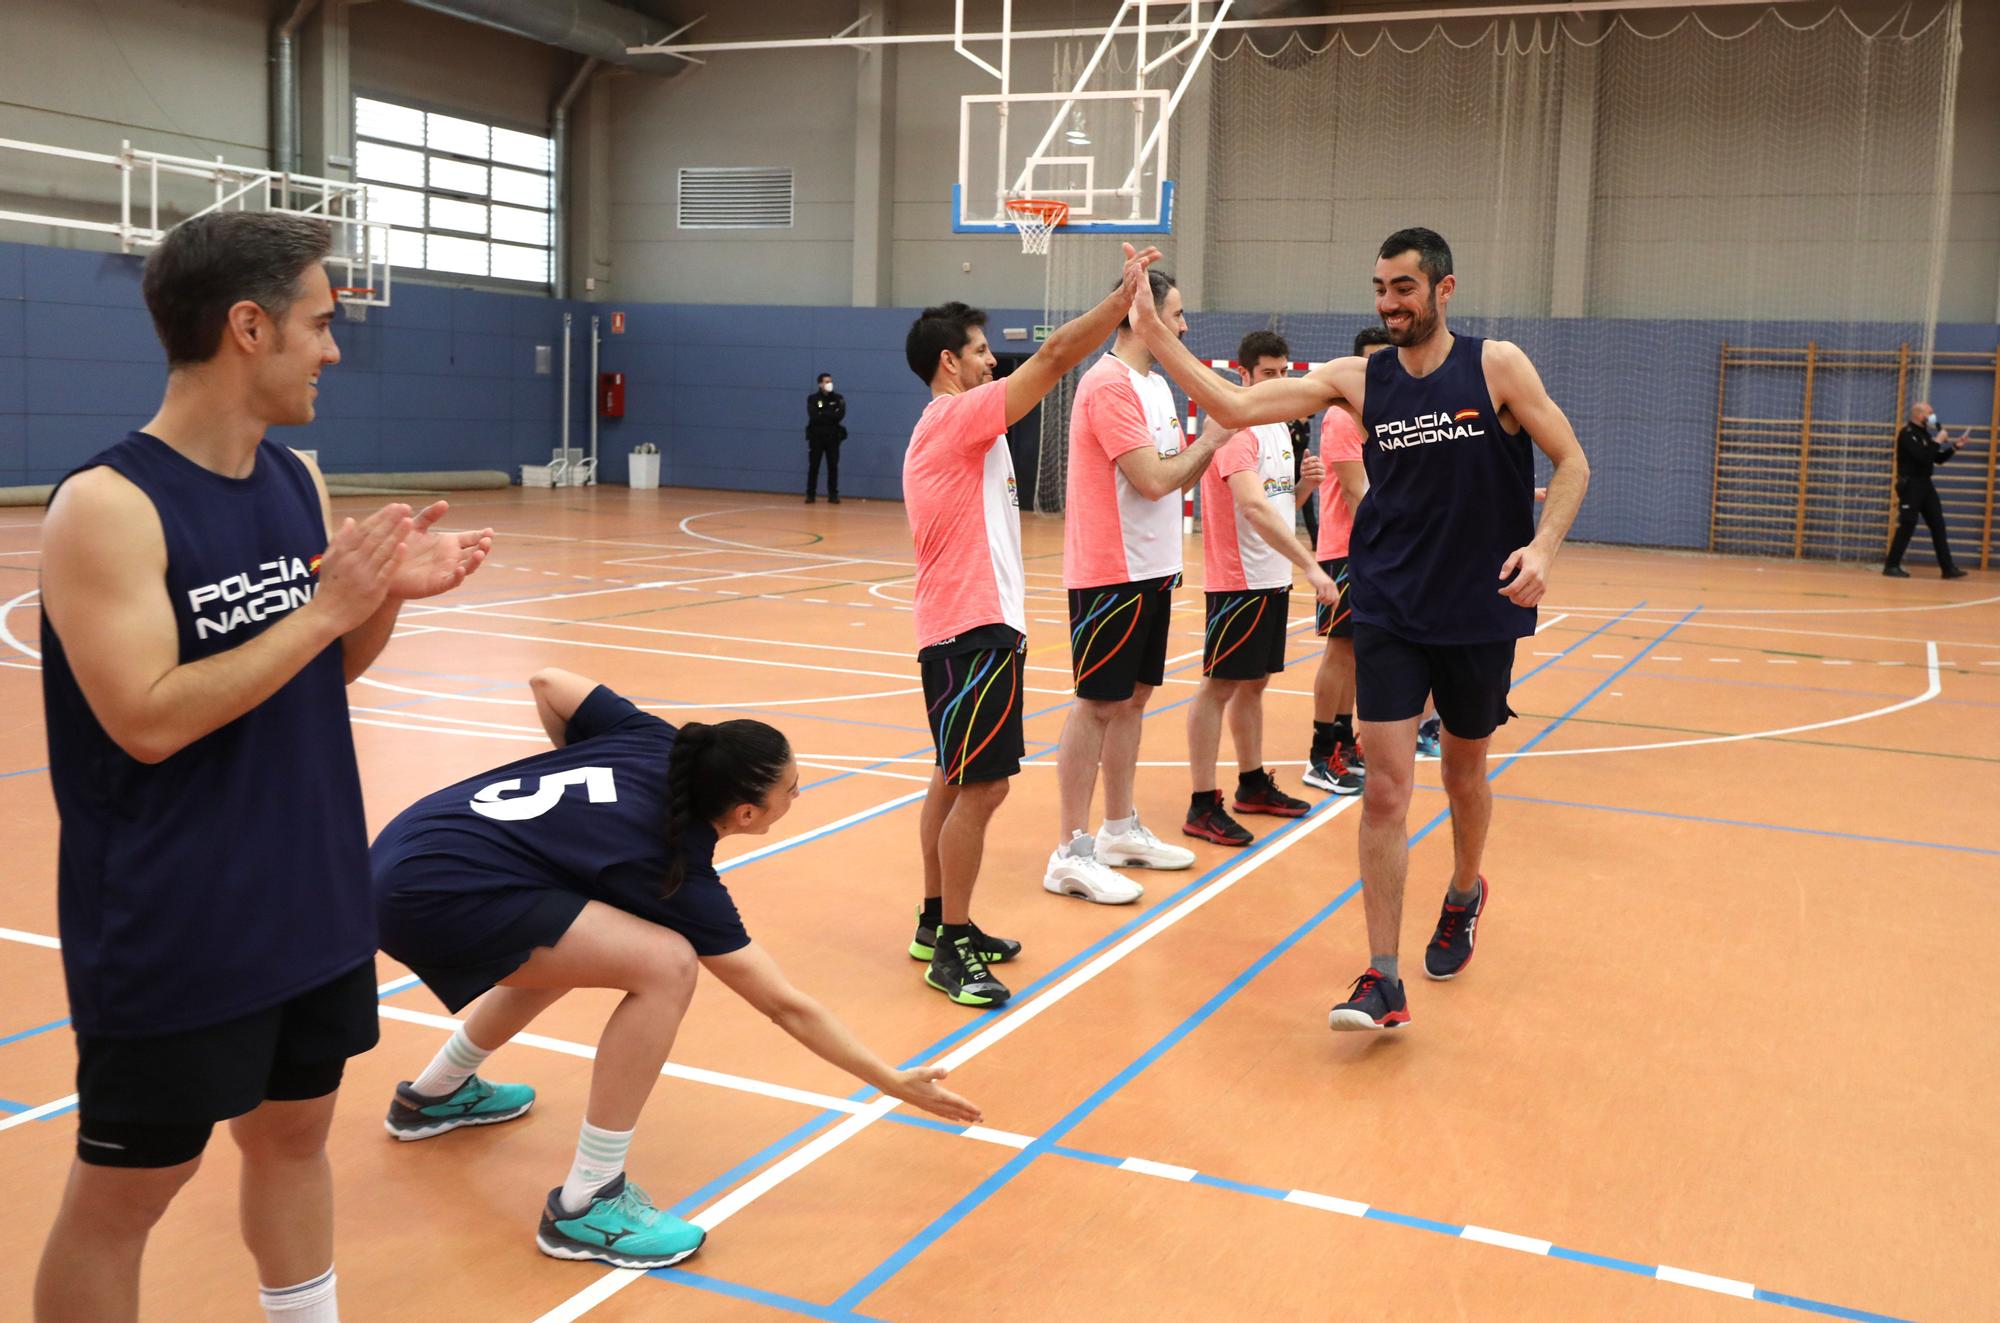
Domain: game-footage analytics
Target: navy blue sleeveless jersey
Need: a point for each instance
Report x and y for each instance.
(588, 818)
(1450, 497)
(233, 875)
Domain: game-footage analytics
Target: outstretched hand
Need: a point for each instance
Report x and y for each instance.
(920, 1086)
(1136, 287)
(435, 562)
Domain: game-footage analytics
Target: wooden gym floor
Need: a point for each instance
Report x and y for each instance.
(1729, 1052)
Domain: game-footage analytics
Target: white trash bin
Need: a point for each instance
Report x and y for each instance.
(643, 471)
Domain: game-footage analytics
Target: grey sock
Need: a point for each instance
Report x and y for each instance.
(1453, 896)
(1386, 967)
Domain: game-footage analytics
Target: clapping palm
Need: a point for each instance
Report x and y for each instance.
(435, 562)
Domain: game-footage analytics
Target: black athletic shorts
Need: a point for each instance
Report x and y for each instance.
(1335, 621)
(1118, 636)
(1246, 634)
(972, 689)
(1393, 676)
(151, 1102)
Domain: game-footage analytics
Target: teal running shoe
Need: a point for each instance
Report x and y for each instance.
(414, 1116)
(1429, 745)
(621, 1227)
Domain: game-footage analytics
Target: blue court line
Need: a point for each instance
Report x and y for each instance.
(737, 1291)
(9, 1105)
(1451, 1229)
(1146, 916)
(812, 1127)
(1737, 822)
(992, 1185)
(30, 1033)
(25, 771)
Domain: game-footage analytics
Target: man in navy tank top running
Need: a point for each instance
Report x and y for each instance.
(201, 618)
(1446, 565)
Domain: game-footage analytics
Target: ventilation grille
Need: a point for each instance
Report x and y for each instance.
(736, 198)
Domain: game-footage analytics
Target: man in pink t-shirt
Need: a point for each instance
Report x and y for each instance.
(1249, 510)
(965, 519)
(1121, 564)
(1335, 761)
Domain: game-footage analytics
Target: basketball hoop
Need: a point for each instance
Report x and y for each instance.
(1036, 219)
(353, 300)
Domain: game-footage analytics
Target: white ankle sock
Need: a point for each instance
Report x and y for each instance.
(1122, 825)
(308, 1302)
(600, 1157)
(455, 1063)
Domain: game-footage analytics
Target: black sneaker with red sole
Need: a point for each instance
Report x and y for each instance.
(1350, 753)
(1375, 1003)
(1450, 949)
(1210, 823)
(1265, 797)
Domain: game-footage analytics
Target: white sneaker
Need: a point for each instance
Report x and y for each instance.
(1139, 848)
(1075, 870)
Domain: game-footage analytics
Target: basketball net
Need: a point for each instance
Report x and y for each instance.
(1036, 219)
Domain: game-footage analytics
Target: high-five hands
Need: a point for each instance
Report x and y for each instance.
(1136, 286)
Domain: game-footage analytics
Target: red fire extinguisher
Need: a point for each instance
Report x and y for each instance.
(611, 394)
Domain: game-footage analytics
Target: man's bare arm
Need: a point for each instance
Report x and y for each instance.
(1156, 475)
(1075, 340)
(1518, 388)
(1276, 401)
(1353, 477)
(1248, 490)
(104, 561)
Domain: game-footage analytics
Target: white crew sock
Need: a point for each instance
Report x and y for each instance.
(308, 1302)
(455, 1063)
(600, 1158)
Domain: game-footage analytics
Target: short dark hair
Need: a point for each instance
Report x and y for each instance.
(1370, 335)
(1262, 344)
(1159, 281)
(938, 330)
(208, 264)
(1433, 253)
(824, 376)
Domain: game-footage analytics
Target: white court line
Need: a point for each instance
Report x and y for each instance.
(818, 832)
(1702, 1281)
(1167, 1170)
(648, 707)
(29, 939)
(1930, 691)
(56, 1105)
(448, 730)
(7, 634)
(1327, 1203)
(669, 652)
(692, 585)
(1004, 1026)
(865, 771)
(21, 666)
(1646, 613)
(693, 1074)
(37, 1113)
